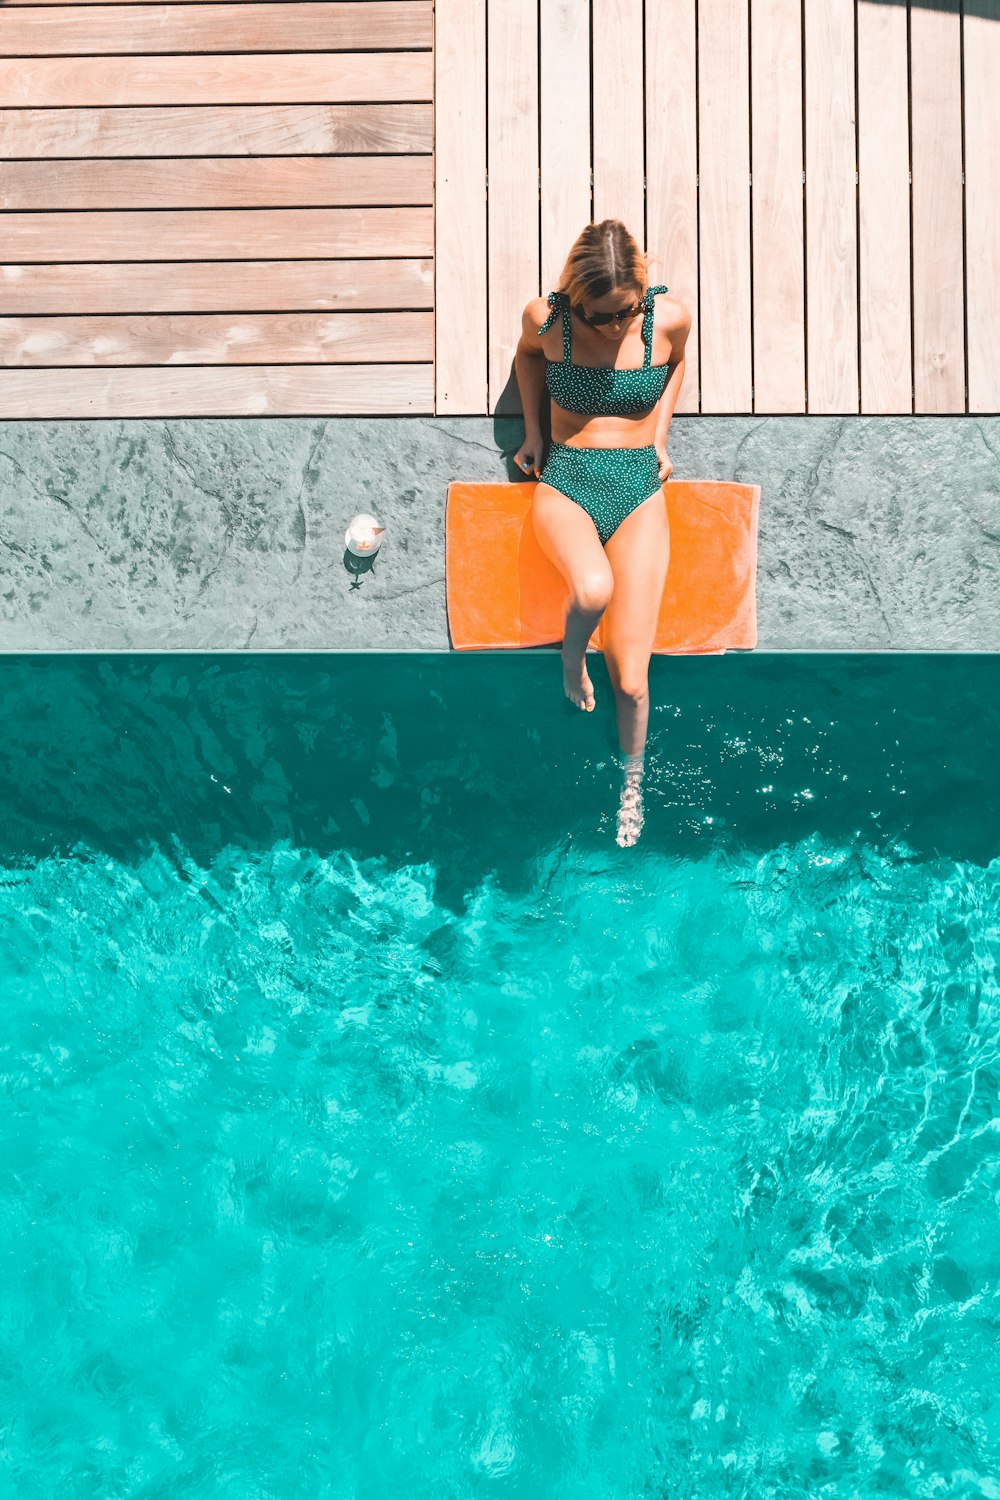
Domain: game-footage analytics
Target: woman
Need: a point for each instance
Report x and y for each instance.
(609, 348)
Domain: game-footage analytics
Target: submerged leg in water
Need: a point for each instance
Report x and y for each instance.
(639, 553)
(630, 815)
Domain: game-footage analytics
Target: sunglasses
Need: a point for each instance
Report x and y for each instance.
(599, 320)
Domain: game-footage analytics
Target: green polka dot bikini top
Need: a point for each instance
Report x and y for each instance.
(599, 390)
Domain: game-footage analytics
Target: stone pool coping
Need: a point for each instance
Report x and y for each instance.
(227, 535)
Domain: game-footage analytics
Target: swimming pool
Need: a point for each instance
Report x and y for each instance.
(373, 1125)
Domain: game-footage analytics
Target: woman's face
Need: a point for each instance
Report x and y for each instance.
(620, 300)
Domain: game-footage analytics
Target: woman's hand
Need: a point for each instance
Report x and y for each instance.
(528, 457)
(666, 467)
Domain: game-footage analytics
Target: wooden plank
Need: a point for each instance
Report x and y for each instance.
(219, 182)
(262, 390)
(512, 104)
(884, 210)
(982, 202)
(221, 234)
(217, 339)
(672, 168)
(565, 131)
(938, 283)
(207, 130)
(93, 30)
(460, 256)
(724, 205)
(20, 4)
(217, 286)
(779, 332)
(279, 78)
(618, 115)
(831, 208)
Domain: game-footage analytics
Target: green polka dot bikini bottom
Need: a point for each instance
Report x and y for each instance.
(609, 483)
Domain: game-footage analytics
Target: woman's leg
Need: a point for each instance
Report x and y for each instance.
(639, 551)
(568, 537)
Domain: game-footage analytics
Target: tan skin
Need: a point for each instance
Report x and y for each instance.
(623, 582)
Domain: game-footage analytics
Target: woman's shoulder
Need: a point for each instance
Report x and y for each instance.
(670, 314)
(536, 311)
(538, 322)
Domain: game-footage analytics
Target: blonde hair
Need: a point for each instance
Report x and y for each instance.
(604, 258)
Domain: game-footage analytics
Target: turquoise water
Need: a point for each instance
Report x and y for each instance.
(374, 1126)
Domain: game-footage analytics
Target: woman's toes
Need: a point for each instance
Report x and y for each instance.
(578, 687)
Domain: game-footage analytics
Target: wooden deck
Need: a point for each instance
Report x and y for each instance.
(256, 207)
(797, 168)
(234, 201)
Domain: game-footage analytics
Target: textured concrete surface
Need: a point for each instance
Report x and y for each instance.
(876, 533)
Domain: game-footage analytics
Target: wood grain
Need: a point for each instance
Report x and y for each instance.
(223, 182)
(218, 130)
(214, 339)
(672, 168)
(512, 145)
(565, 131)
(153, 239)
(884, 210)
(94, 30)
(831, 209)
(217, 286)
(278, 78)
(460, 256)
(618, 114)
(282, 390)
(21, 4)
(222, 234)
(938, 282)
(724, 206)
(982, 203)
(779, 335)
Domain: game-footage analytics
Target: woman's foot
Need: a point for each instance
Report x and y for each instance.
(577, 683)
(630, 816)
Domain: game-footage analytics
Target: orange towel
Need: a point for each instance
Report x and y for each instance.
(503, 591)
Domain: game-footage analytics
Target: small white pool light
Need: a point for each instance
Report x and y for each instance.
(364, 536)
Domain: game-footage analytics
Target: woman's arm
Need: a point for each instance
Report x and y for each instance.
(667, 402)
(678, 333)
(529, 368)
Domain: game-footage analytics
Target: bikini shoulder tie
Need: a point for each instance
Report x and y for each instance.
(555, 301)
